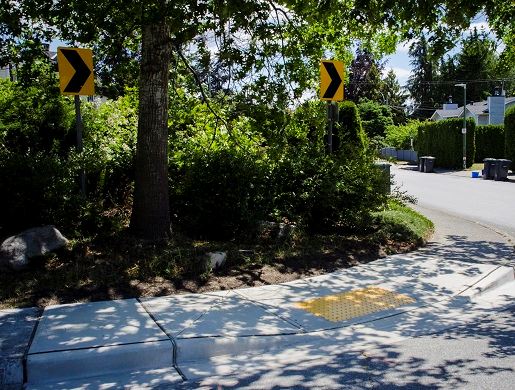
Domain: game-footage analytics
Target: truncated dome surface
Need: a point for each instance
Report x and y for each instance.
(355, 303)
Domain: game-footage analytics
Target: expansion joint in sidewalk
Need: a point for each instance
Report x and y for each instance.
(32, 335)
(170, 337)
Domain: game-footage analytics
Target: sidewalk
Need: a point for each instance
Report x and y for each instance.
(170, 340)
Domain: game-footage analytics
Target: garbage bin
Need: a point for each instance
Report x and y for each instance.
(385, 167)
(501, 169)
(421, 163)
(429, 164)
(489, 168)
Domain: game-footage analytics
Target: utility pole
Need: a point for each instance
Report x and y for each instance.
(464, 129)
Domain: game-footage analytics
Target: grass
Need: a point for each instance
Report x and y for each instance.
(119, 266)
(476, 167)
(401, 223)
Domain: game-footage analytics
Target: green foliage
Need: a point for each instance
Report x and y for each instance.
(225, 180)
(509, 131)
(218, 193)
(394, 97)
(400, 223)
(444, 140)
(476, 61)
(110, 146)
(34, 177)
(423, 72)
(375, 118)
(39, 165)
(489, 142)
(348, 130)
(364, 77)
(400, 136)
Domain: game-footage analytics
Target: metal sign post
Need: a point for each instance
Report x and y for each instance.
(76, 78)
(79, 126)
(331, 90)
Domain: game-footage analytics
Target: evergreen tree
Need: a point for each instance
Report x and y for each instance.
(420, 84)
(476, 61)
(364, 78)
(394, 96)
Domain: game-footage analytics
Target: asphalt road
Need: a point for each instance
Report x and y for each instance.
(487, 202)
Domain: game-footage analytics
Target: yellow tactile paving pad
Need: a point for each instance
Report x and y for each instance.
(355, 303)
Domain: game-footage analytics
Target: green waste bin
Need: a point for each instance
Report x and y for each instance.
(421, 163)
(489, 168)
(429, 164)
(501, 169)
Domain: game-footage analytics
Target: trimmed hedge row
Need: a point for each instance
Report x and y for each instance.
(509, 133)
(444, 140)
(349, 130)
(489, 142)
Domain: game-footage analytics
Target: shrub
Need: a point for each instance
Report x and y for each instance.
(509, 131)
(400, 136)
(218, 194)
(223, 183)
(375, 118)
(39, 165)
(110, 131)
(444, 140)
(489, 142)
(35, 180)
(348, 130)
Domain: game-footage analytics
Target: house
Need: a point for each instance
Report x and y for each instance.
(9, 71)
(486, 112)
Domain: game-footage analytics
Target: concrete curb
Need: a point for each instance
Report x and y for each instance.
(91, 362)
(496, 279)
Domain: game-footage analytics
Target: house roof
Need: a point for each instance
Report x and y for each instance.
(477, 108)
(449, 113)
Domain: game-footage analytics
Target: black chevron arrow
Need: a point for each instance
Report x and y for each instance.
(82, 71)
(336, 80)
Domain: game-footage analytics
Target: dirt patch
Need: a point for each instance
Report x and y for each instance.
(120, 267)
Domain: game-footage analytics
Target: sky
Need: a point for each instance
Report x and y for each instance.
(400, 61)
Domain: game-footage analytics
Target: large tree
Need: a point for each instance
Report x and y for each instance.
(277, 44)
(477, 62)
(394, 96)
(421, 83)
(364, 78)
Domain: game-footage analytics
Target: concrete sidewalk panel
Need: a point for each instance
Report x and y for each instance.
(201, 315)
(16, 327)
(177, 313)
(427, 282)
(83, 340)
(59, 366)
(96, 324)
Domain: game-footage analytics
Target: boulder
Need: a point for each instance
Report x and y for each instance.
(16, 251)
(216, 259)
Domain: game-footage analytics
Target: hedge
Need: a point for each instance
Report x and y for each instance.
(509, 133)
(489, 142)
(444, 140)
(348, 130)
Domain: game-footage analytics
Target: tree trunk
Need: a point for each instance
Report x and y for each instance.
(150, 211)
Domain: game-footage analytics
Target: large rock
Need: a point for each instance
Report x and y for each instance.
(16, 251)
